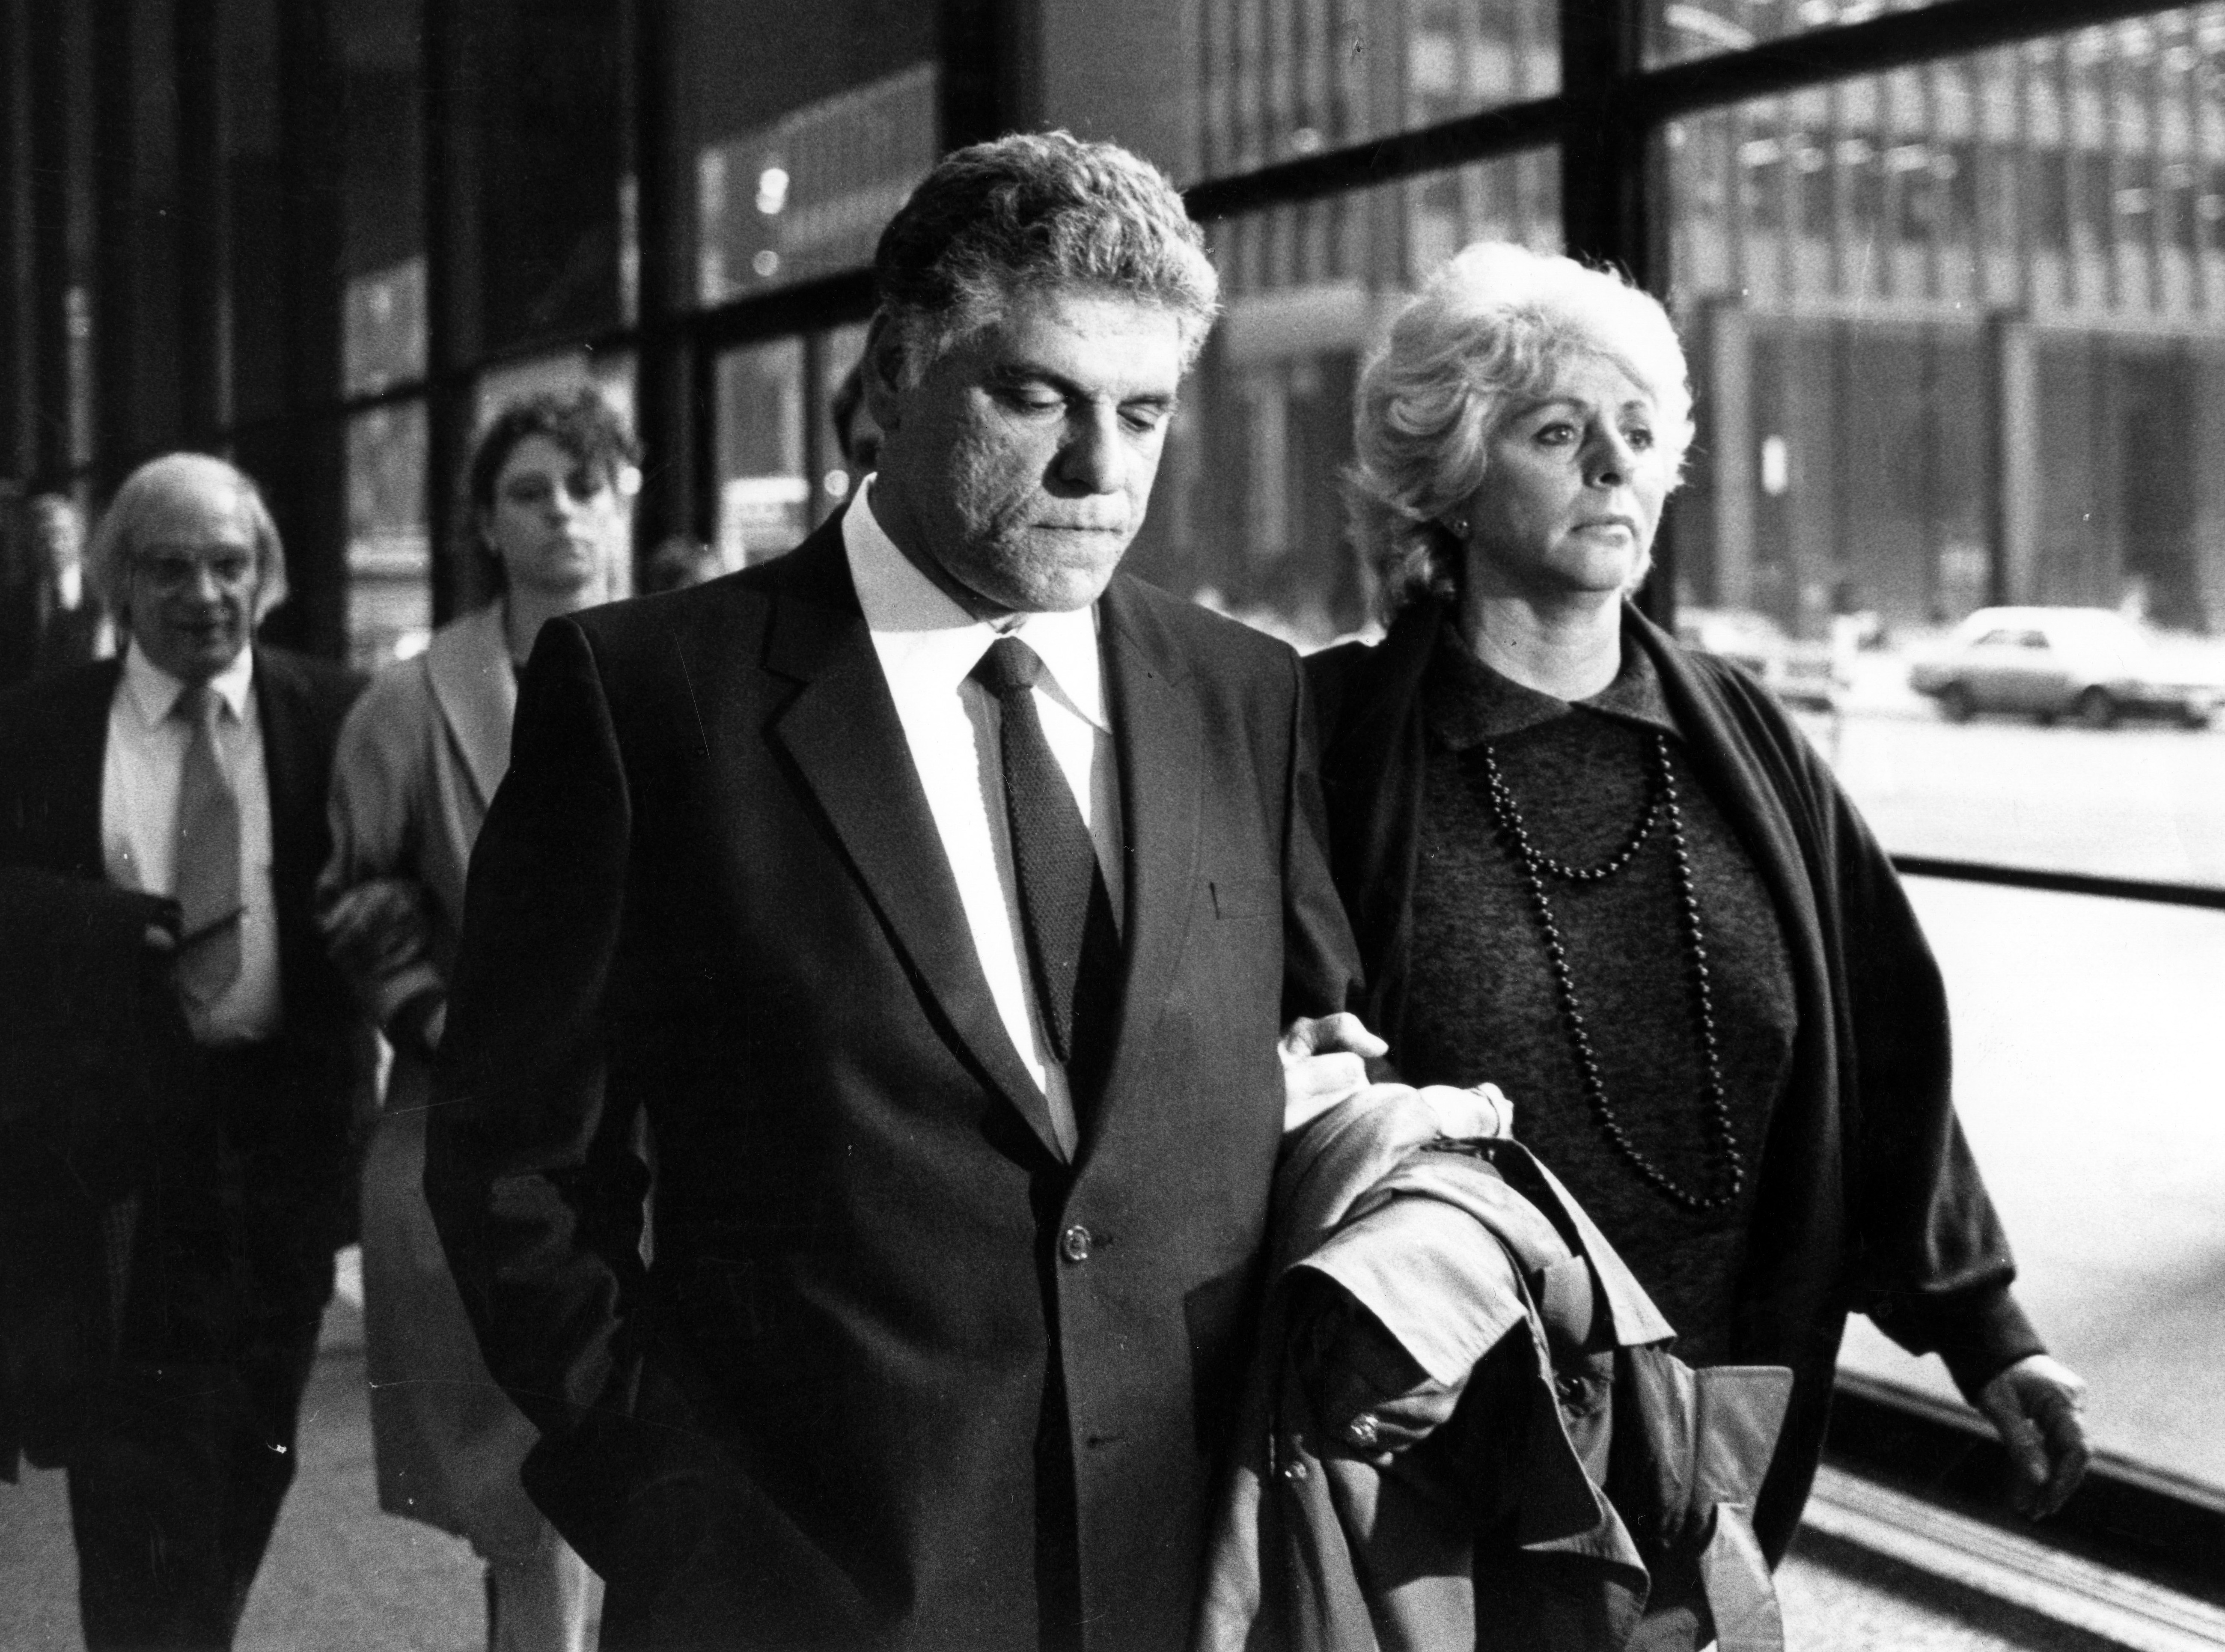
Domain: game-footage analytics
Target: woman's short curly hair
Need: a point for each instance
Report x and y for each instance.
(1490, 330)
(1037, 212)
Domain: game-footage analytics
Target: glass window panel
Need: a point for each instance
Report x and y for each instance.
(766, 504)
(390, 559)
(382, 298)
(808, 193)
(809, 130)
(1680, 30)
(247, 46)
(551, 120)
(2086, 1077)
(1951, 353)
(1247, 514)
(1228, 85)
(1958, 337)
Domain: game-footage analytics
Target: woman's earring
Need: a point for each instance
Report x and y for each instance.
(1459, 528)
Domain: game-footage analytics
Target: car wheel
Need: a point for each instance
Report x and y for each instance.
(2095, 708)
(1956, 703)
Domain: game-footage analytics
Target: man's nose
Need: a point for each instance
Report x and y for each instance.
(204, 587)
(1091, 459)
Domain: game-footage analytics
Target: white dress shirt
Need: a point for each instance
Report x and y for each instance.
(927, 647)
(140, 776)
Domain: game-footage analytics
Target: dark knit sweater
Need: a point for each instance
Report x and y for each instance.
(1866, 1198)
(1484, 1006)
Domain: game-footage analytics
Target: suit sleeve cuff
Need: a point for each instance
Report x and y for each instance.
(1982, 1335)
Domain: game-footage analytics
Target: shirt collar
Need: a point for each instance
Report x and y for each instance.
(154, 692)
(925, 638)
(1469, 702)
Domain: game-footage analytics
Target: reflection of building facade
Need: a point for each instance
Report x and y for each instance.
(1249, 513)
(1979, 309)
(1958, 332)
(807, 195)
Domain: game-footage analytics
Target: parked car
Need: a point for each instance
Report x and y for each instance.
(2092, 665)
(1799, 673)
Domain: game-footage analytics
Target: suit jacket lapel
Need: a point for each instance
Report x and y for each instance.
(1158, 741)
(469, 666)
(294, 808)
(842, 732)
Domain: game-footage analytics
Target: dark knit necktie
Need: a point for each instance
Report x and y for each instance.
(1074, 947)
(207, 874)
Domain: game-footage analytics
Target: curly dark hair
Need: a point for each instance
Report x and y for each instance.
(1035, 210)
(580, 421)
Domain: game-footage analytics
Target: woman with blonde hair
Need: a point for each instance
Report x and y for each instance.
(1611, 876)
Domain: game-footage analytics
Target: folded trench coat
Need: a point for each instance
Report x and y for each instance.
(1592, 1493)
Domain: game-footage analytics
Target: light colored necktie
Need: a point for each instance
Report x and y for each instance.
(207, 856)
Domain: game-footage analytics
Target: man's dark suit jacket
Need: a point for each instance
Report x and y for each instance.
(711, 893)
(54, 740)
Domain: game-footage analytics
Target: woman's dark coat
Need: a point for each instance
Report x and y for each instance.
(1868, 1199)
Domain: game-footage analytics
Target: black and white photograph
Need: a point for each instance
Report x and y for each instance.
(1111, 826)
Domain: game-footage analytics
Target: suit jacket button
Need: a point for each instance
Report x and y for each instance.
(1076, 1244)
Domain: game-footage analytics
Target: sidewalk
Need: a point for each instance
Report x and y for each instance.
(341, 1576)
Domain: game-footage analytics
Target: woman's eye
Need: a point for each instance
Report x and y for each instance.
(1557, 434)
(1639, 437)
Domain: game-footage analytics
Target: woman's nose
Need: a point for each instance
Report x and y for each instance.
(1612, 461)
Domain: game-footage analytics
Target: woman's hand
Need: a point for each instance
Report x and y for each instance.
(2037, 1406)
(1324, 1062)
(1465, 1115)
(377, 927)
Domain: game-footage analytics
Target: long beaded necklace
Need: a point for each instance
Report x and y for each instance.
(1715, 1112)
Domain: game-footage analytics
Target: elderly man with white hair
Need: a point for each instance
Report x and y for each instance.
(195, 767)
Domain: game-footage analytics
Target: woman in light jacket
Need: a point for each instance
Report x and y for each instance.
(418, 764)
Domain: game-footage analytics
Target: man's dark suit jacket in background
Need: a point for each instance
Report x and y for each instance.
(237, 1218)
(54, 741)
(711, 894)
(91, 1038)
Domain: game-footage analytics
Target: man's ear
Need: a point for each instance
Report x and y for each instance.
(880, 371)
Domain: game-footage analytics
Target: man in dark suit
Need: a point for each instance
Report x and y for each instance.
(924, 906)
(195, 767)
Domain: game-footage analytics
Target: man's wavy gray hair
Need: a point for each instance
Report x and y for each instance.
(1037, 212)
(1489, 332)
(115, 541)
